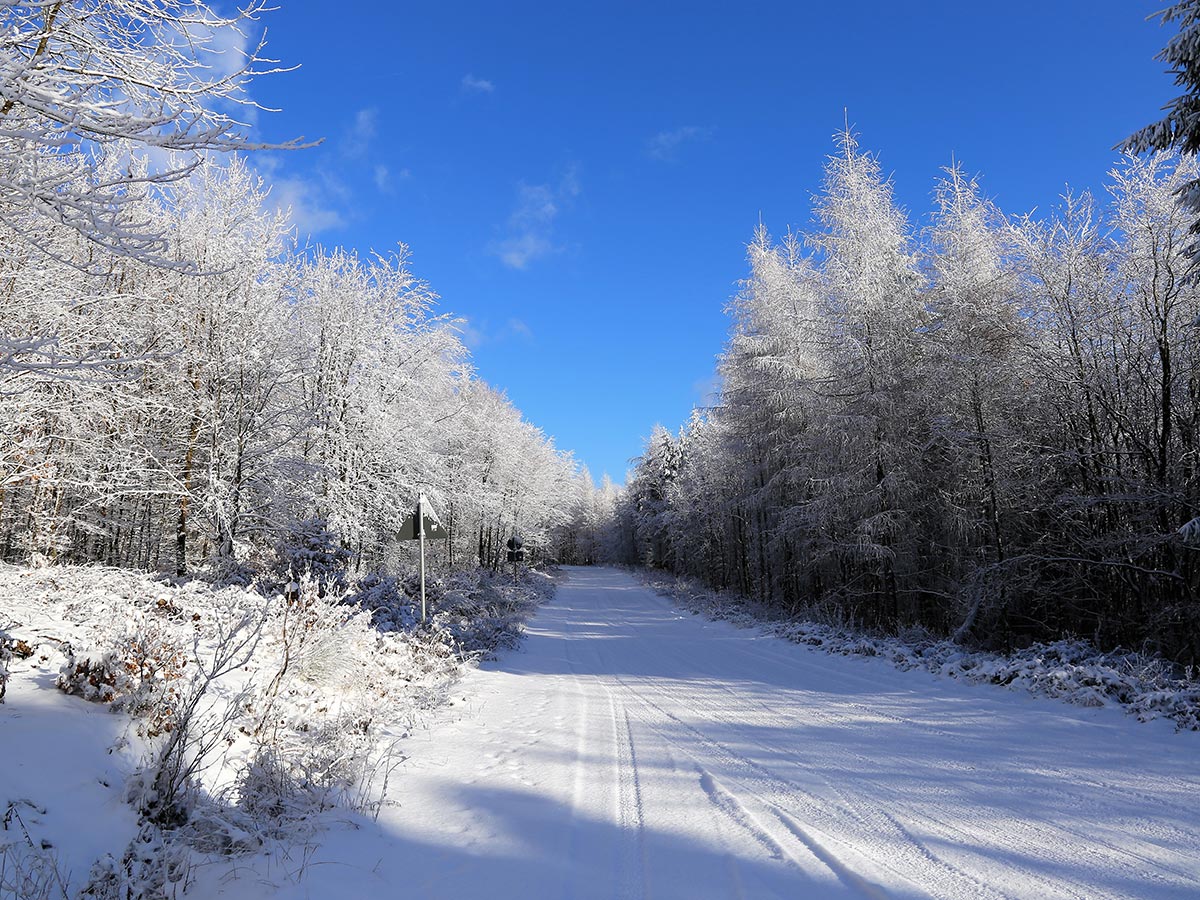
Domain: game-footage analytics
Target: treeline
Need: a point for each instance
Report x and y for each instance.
(986, 427)
(171, 417)
(181, 387)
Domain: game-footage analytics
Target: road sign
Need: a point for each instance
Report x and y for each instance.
(515, 556)
(431, 528)
(515, 542)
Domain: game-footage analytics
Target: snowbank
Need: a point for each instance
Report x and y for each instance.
(1070, 670)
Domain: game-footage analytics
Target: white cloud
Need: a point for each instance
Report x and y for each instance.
(357, 141)
(227, 51)
(664, 146)
(221, 52)
(476, 334)
(708, 390)
(472, 337)
(473, 85)
(307, 204)
(358, 144)
(321, 201)
(519, 251)
(385, 178)
(531, 226)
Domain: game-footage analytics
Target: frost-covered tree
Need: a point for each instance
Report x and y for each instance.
(1179, 129)
(180, 389)
(978, 356)
(233, 407)
(870, 284)
(987, 429)
(82, 77)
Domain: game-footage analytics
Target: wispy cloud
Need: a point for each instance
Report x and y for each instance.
(477, 333)
(708, 390)
(307, 204)
(356, 142)
(320, 199)
(519, 251)
(222, 51)
(665, 145)
(472, 337)
(531, 226)
(385, 178)
(473, 85)
(311, 203)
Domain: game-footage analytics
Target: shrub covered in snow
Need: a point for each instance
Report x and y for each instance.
(138, 672)
(483, 612)
(1070, 670)
(253, 709)
(150, 866)
(392, 608)
(474, 613)
(29, 870)
(312, 550)
(315, 724)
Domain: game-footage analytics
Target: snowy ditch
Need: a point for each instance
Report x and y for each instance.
(152, 728)
(1070, 670)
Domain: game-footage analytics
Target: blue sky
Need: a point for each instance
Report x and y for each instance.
(579, 180)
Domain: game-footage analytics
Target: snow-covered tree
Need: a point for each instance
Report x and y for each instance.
(80, 79)
(1179, 129)
(988, 429)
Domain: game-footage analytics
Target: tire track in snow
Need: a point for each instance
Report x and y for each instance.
(630, 813)
(728, 804)
(877, 823)
(845, 875)
(780, 794)
(720, 817)
(1039, 835)
(973, 833)
(1129, 859)
(727, 858)
(877, 830)
(627, 807)
(1133, 857)
(1109, 791)
(771, 784)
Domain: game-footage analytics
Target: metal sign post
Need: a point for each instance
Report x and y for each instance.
(422, 524)
(421, 541)
(516, 553)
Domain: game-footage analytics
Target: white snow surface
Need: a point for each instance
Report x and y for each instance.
(632, 750)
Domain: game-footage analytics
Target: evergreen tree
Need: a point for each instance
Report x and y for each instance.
(1179, 129)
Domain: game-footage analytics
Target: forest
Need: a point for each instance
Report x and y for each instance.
(984, 426)
(184, 387)
(823, 640)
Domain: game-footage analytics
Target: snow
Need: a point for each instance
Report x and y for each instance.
(201, 668)
(57, 766)
(1073, 670)
(630, 749)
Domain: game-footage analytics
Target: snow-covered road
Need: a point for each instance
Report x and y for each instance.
(630, 750)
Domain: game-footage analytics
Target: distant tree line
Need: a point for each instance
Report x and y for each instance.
(988, 427)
